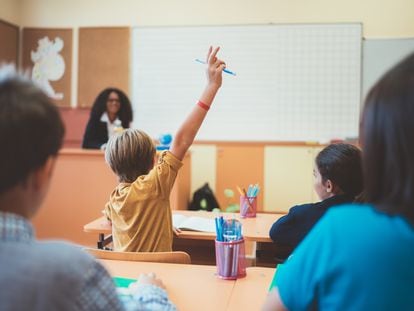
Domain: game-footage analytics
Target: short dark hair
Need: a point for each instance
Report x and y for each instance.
(342, 164)
(31, 129)
(99, 106)
(387, 135)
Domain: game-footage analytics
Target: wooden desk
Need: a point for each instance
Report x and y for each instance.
(80, 187)
(254, 229)
(190, 287)
(255, 232)
(250, 293)
(193, 287)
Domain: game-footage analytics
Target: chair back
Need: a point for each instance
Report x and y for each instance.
(166, 257)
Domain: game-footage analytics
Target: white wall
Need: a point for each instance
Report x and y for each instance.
(384, 18)
(203, 166)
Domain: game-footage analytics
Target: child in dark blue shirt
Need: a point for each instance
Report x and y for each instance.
(338, 180)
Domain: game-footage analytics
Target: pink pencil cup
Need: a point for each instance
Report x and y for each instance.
(230, 259)
(248, 206)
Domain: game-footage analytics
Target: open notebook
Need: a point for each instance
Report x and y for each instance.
(194, 223)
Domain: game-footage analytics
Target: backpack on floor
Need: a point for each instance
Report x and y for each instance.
(204, 199)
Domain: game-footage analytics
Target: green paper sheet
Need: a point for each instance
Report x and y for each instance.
(123, 282)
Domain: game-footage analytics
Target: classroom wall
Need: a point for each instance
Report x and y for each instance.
(385, 18)
(10, 11)
(380, 19)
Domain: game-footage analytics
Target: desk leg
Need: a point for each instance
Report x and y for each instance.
(103, 241)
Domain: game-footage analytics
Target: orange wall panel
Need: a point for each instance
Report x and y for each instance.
(239, 166)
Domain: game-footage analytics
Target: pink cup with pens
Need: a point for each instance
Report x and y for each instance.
(248, 201)
(248, 206)
(230, 259)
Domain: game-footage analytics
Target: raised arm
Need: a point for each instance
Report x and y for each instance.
(188, 130)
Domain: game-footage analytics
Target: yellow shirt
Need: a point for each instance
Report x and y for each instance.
(140, 211)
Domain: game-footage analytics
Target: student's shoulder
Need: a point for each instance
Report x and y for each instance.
(302, 208)
(359, 215)
(62, 254)
(62, 266)
(351, 210)
(166, 157)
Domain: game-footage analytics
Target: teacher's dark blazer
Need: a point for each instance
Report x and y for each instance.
(96, 134)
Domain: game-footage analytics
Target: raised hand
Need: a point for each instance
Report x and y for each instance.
(215, 67)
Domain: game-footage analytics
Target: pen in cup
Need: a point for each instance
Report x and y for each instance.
(249, 203)
(225, 70)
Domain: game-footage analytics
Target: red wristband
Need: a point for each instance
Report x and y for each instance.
(203, 105)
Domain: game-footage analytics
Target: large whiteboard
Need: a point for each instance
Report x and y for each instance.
(294, 82)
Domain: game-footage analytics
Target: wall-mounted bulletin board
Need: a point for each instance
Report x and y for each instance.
(9, 43)
(47, 53)
(297, 82)
(103, 61)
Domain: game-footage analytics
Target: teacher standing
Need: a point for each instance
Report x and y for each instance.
(111, 110)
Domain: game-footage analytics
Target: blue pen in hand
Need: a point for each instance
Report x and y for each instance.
(225, 70)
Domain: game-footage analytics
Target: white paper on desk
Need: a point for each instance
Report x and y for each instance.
(193, 223)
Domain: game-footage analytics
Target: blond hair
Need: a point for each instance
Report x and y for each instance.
(130, 154)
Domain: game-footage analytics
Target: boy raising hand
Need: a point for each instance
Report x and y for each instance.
(139, 206)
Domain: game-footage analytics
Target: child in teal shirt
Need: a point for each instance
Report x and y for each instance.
(360, 257)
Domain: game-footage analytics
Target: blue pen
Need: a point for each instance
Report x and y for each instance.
(256, 192)
(225, 70)
(217, 229)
